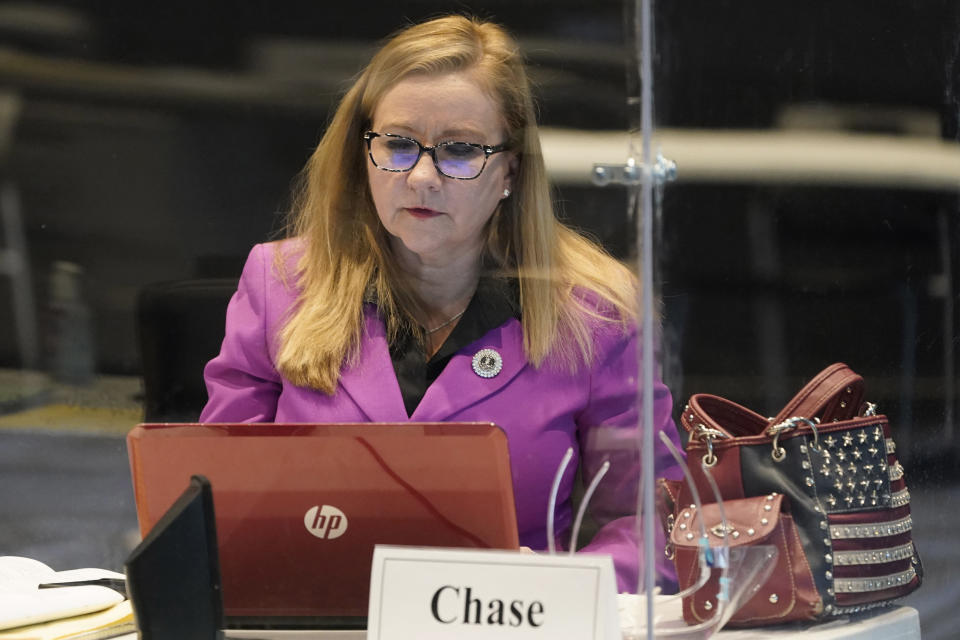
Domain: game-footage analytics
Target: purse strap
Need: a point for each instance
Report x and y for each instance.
(832, 395)
(706, 413)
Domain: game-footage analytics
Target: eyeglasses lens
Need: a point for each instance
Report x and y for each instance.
(456, 159)
(460, 160)
(395, 153)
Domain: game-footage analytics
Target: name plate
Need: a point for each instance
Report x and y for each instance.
(429, 593)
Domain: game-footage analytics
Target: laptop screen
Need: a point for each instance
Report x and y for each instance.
(300, 507)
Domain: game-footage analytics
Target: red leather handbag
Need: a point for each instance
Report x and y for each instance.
(820, 481)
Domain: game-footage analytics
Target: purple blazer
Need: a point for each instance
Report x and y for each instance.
(542, 410)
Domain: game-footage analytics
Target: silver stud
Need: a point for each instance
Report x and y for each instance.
(708, 605)
(767, 507)
(774, 598)
(735, 534)
(828, 558)
(689, 536)
(750, 531)
(830, 592)
(803, 448)
(771, 496)
(683, 525)
(823, 525)
(808, 481)
(764, 521)
(805, 464)
(829, 575)
(686, 514)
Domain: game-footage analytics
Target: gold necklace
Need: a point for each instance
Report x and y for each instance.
(444, 323)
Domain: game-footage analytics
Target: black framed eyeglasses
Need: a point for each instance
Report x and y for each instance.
(457, 160)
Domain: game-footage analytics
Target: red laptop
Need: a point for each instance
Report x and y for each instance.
(300, 507)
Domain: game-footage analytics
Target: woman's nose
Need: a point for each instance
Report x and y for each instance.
(424, 173)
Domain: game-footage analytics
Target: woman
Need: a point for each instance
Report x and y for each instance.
(426, 278)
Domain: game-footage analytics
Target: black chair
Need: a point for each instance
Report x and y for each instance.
(181, 325)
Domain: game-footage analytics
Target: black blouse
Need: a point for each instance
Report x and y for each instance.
(495, 302)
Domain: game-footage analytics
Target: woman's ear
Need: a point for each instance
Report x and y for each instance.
(513, 167)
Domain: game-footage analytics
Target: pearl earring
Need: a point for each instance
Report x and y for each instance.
(506, 193)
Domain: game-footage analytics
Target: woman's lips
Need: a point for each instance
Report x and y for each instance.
(422, 212)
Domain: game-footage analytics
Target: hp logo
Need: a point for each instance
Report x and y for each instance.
(325, 521)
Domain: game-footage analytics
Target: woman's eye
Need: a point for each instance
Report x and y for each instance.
(400, 146)
(460, 150)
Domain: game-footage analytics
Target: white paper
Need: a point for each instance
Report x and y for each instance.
(22, 603)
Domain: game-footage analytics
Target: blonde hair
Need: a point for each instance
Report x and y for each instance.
(567, 284)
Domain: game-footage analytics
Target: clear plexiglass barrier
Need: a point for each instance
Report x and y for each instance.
(764, 198)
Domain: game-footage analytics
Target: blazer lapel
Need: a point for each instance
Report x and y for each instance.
(372, 382)
(458, 386)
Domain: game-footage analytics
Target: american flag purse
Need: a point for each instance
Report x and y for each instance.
(828, 464)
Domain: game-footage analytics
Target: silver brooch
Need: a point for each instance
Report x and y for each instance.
(487, 363)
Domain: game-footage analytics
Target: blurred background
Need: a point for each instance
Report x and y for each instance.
(145, 147)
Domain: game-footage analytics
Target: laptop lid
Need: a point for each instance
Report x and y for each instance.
(299, 507)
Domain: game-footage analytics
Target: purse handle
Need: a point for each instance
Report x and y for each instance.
(706, 413)
(833, 394)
